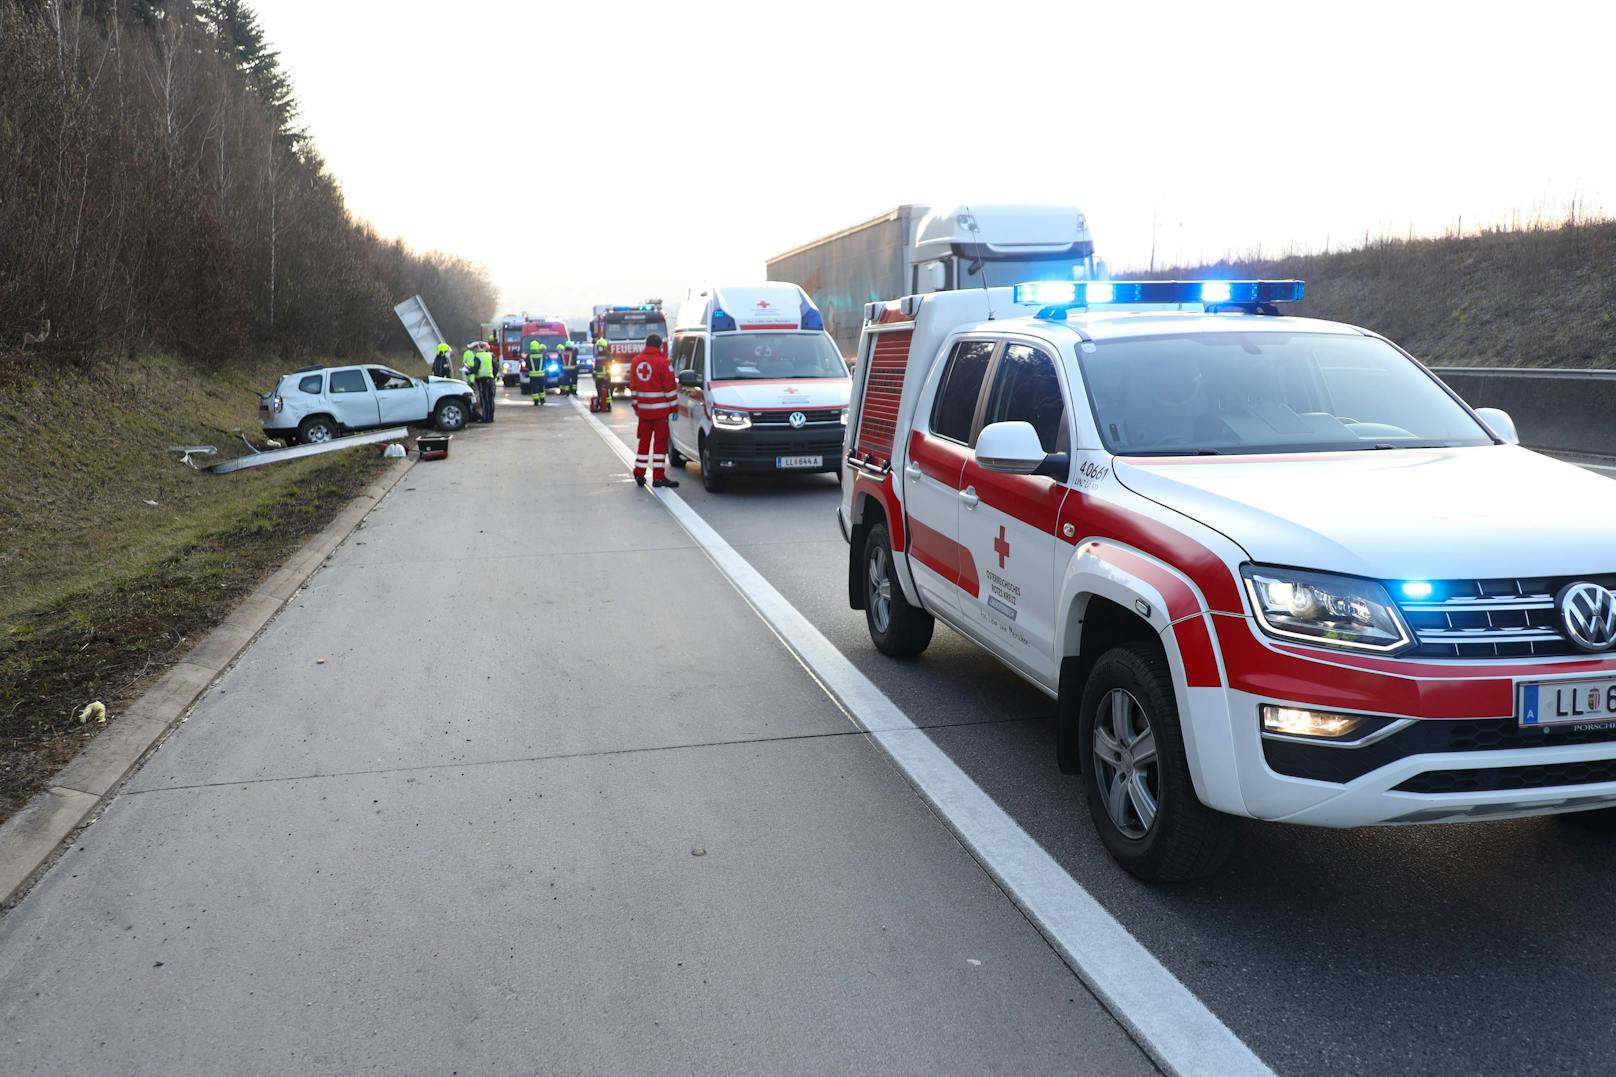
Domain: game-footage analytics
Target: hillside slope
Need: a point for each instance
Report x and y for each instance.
(1537, 298)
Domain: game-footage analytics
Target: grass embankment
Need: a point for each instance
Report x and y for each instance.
(1539, 297)
(114, 558)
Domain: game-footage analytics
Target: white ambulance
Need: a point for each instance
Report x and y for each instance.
(1268, 567)
(762, 387)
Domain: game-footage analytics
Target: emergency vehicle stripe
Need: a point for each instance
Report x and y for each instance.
(1183, 608)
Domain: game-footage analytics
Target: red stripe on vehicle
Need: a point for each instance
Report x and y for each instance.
(782, 326)
(1194, 641)
(938, 459)
(935, 550)
(1593, 667)
(1321, 682)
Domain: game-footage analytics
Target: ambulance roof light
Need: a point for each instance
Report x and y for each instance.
(1057, 296)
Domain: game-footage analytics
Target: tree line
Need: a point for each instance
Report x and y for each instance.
(157, 193)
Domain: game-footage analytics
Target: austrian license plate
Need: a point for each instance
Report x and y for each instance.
(1567, 704)
(799, 461)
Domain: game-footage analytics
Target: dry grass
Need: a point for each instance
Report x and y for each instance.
(1541, 296)
(100, 590)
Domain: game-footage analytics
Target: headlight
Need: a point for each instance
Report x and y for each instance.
(1332, 611)
(619, 369)
(732, 420)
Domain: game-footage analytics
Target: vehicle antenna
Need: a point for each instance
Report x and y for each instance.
(979, 264)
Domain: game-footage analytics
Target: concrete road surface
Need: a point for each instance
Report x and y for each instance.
(520, 784)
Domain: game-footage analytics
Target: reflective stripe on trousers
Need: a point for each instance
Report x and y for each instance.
(653, 447)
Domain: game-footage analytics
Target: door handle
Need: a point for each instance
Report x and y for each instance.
(912, 470)
(968, 495)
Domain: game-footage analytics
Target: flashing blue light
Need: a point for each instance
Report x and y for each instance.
(554, 368)
(1417, 589)
(1055, 293)
(811, 318)
(1061, 294)
(722, 323)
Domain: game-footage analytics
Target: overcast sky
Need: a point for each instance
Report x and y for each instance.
(610, 151)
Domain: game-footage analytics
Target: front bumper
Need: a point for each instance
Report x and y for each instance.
(760, 448)
(1413, 770)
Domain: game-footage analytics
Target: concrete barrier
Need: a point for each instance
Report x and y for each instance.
(1563, 410)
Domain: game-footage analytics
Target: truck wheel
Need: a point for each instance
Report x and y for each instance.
(675, 458)
(897, 628)
(711, 480)
(450, 415)
(317, 430)
(1136, 776)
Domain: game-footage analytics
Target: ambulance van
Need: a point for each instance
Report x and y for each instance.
(762, 387)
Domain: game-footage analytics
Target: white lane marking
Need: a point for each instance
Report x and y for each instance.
(1169, 1022)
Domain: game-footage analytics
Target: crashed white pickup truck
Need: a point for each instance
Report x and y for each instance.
(317, 404)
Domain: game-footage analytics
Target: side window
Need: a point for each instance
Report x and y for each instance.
(955, 409)
(698, 362)
(388, 379)
(348, 381)
(311, 384)
(1027, 387)
(682, 350)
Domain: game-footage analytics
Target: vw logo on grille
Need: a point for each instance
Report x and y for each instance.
(797, 419)
(1589, 614)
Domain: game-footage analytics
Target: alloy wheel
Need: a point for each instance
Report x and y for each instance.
(879, 585)
(1125, 754)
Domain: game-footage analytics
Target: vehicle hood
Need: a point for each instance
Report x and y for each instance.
(1483, 512)
(762, 395)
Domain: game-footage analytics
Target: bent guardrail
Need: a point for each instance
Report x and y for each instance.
(1560, 410)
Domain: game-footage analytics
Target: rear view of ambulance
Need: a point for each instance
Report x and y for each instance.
(762, 387)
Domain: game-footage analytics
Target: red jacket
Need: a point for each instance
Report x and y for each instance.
(656, 391)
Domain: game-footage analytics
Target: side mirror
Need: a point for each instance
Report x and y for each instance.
(689, 379)
(1499, 422)
(1014, 449)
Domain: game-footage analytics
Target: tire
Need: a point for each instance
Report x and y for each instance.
(675, 457)
(1129, 694)
(1598, 821)
(450, 415)
(711, 480)
(896, 627)
(318, 430)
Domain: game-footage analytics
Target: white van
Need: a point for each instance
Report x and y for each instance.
(762, 387)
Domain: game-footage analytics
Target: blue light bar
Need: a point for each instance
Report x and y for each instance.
(722, 323)
(811, 318)
(1080, 293)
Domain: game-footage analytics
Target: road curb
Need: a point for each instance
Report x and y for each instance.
(30, 839)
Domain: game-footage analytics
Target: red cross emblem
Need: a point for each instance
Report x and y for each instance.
(763, 304)
(791, 390)
(1001, 546)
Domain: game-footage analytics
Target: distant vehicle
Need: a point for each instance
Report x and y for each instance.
(761, 385)
(316, 404)
(916, 249)
(626, 329)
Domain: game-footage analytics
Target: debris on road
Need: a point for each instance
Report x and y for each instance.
(96, 710)
(297, 452)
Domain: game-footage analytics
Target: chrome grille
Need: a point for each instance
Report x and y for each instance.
(1510, 618)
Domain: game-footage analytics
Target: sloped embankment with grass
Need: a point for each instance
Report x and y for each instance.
(115, 558)
(1541, 297)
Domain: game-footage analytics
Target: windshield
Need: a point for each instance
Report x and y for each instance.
(637, 330)
(513, 336)
(1267, 392)
(549, 340)
(776, 355)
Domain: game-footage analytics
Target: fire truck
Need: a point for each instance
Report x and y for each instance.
(626, 329)
(506, 333)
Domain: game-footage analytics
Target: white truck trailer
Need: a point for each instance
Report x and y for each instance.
(916, 249)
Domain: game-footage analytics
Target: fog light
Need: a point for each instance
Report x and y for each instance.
(1297, 722)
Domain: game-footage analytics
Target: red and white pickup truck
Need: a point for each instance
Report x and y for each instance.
(1268, 566)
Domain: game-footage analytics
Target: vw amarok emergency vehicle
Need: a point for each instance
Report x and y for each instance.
(1268, 566)
(761, 385)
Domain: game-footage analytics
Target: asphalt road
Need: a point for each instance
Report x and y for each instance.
(1462, 949)
(520, 783)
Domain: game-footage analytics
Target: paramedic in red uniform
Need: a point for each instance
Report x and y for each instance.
(656, 394)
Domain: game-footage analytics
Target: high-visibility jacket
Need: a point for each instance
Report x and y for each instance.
(602, 348)
(656, 390)
(468, 364)
(482, 364)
